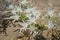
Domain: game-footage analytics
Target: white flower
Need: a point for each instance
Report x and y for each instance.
(15, 17)
(11, 6)
(50, 12)
(50, 25)
(32, 28)
(28, 10)
(36, 13)
(13, 11)
(19, 9)
(24, 24)
(31, 13)
(24, 2)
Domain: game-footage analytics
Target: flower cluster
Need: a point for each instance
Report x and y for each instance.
(28, 15)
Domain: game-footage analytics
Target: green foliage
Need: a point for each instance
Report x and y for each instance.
(53, 19)
(41, 26)
(33, 25)
(23, 17)
(49, 17)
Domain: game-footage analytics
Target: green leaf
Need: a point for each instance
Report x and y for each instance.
(33, 24)
(49, 17)
(53, 19)
(41, 26)
(23, 17)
